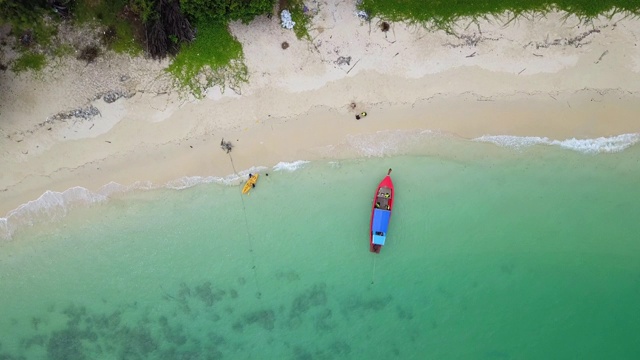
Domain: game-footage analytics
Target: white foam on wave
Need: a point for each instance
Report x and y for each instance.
(191, 181)
(4, 227)
(387, 142)
(586, 146)
(117, 188)
(515, 142)
(601, 144)
(53, 205)
(290, 166)
(50, 206)
(233, 179)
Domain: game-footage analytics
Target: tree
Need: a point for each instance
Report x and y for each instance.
(225, 10)
(167, 28)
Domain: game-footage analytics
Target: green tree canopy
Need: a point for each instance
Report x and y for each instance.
(224, 10)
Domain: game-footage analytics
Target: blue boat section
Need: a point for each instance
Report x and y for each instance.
(379, 239)
(380, 225)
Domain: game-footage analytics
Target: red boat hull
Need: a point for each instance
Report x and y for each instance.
(384, 202)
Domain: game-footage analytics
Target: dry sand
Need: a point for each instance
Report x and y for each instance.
(548, 76)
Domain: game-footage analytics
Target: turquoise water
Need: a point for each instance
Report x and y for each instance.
(492, 254)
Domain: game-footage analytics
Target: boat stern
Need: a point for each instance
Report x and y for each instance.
(377, 242)
(378, 238)
(379, 225)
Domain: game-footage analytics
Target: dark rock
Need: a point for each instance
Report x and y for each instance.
(344, 60)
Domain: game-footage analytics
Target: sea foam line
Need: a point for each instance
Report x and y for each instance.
(50, 206)
(388, 142)
(586, 146)
(54, 205)
(290, 166)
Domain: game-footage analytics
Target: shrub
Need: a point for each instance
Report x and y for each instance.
(29, 61)
(213, 51)
(89, 53)
(203, 11)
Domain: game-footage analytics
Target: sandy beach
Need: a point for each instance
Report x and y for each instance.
(514, 146)
(550, 77)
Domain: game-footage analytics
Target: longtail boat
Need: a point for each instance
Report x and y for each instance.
(381, 213)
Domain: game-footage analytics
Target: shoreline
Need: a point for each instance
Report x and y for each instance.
(518, 80)
(326, 134)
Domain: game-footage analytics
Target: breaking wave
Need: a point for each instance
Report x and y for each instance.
(54, 205)
(50, 206)
(388, 142)
(587, 146)
(290, 166)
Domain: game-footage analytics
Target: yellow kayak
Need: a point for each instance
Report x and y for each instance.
(250, 183)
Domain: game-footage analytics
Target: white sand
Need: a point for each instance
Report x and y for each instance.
(544, 77)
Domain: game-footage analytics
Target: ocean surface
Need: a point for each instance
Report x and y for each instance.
(521, 252)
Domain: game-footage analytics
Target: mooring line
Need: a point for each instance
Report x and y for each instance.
(373, 271)
(246, 223)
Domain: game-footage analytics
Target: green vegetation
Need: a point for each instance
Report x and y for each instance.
(161, 27)
(63, 50)
(214, 48)
(27, 16)
(443, 13)
(302, 20)
(34, 24)
(30, 29)
(215, 56)
(223, 11)
(113, 15)
(144, 9)
(29, 61)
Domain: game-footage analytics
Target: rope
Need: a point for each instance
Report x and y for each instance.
(373, 271)
(246, 223)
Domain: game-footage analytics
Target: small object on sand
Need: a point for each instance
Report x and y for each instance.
(286, 21)
(357, 116)
(343, 60)
(361, 115)
(226, 145)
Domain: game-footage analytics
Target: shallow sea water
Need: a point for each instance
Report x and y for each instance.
(492, 254)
